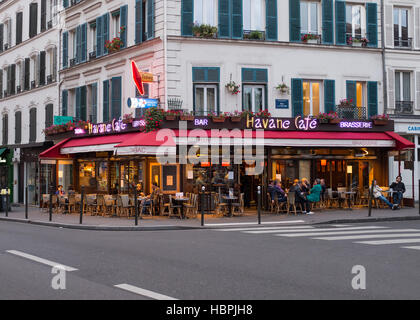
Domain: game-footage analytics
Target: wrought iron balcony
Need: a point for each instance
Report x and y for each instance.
(404, 107)
(400, 43)
(49, 79)
(33, 84)
(72, 62)
(253, 35)
(351, 112)
(92, 55)
(49, 24)
(174, 103)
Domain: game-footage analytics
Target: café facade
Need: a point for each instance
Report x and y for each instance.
(182, 156)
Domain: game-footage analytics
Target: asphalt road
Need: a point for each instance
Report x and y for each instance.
(208, 264)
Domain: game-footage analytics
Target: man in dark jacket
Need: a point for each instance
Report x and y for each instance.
(398, 189)
(301, 197)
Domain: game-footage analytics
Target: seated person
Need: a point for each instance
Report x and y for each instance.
(60, 192)
(398, 189)
(315, 192)
(300, 197)
(377, 193)
(149, 199)
(281, 195)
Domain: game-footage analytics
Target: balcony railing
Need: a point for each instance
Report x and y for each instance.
(33, 84)
(72, 62)
(253, 35)
(49, 79)
(174, 103)
(92, 55)
(401, 43)
(404, 107)
(351, 113)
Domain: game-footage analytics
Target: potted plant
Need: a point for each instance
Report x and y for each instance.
(187, 116)
(236, 116)
(357, 42)
(254, 35)
(204, 30)
(171, 115)
(380, 120)
(333, 117)
(323, 118)
(128, 118)
(263, 114)
(153, 118)
(115, 44)
(247, 114)
(232, 87)
(283, 88)
(217, 117)
(310, 38)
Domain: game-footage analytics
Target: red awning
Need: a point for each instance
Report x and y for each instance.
(153, 138)
(54, 151)
(401, 143)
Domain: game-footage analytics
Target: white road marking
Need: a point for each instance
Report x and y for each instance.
(268, 228)
(371, 236)
(41, 260)
(315, 230)
(380, 242)
(413, 247)
(320, 234)
(143, 292)
(252, 223)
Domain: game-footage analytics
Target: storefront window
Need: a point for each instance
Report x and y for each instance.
(31, 182)
(87, 174)
(65, 174)
(103, 176)
(48, 176)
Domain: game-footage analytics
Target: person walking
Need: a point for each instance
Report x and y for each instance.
(377, 194)
(398, 189)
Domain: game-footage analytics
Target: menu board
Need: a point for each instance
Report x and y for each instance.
(170, 179)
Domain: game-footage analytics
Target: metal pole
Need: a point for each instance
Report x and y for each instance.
(7, 202)
(259, 204)
(26, 202)
(136, 207)
(50, 206)
(419, 197)
(203, 188)
(82, 197)
(370, 199)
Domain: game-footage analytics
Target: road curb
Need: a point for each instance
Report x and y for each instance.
(389, 219)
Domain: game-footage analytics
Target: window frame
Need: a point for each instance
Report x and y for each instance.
(251, 16)
(363, 21)
(214, 14)
(320, 93)
(318, 17)
(401, 85)
(205, 86)
(254, 86)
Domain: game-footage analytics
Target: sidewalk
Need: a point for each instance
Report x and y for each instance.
(37, 216)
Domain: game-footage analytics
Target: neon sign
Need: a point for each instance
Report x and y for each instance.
(114, 126)
(140, 77)
(201, 122)
(356, 124)
(299, 122)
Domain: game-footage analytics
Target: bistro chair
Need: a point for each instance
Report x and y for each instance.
(45, 201)
(63, 205)
(392, 198)
(221, 207)
(332, 200)
(109, 205)
(72, 204)
(191, 208)
(238, 207)
(146, 207)
(90, 206)
(173, 207)
(364, 198)
(100, 205)
(126, 207)
(291, 203)
(78, 200)
(164, 204)
(272, 205)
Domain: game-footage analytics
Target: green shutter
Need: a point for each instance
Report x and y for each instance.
(297, 97)
(372, 94)
(78, 103)
(99, 38)
(105, 31)
(65, 3)
(329, 95)
(327, 22)
(123, 24)
(150, 19)
(271, 20)
(105, 111)
(65, 49)
(64, 106)
(78, 44)
(32, 125)
(83, 46)
(340, 22)
(139, 22)
(205, 74)
(187, 17)
(351, 91)
(372, 24)
(94, 111)
(254, 75)
(237, 22)
(83, 108)
(18, 126)
(224, 19)
(116, 97)
(294, 20)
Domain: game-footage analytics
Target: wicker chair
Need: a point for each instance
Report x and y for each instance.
(238, 207)
(192, 207)
(173, 207)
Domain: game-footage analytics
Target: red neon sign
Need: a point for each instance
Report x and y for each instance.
(137, 78)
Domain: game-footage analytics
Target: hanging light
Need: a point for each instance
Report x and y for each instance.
(323, 162)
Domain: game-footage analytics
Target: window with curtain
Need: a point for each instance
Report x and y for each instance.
(254, 98)
(205, 96)
(309, 17)
(355, 21)
(311, 98)
(401, 27)
(359, 95)
(254, 15)
(204, 12)
(402, 86)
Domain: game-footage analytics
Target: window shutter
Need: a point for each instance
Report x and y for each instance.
(94, 99)
(372, 24)
(54, 64)
(150, 19)
(33, 19)
(78, 103)
(418, 89)
(351, 91)
(83, 107)
(139, 21)
(391, 89)
(340, 22)
(43, 15)
(187, 16)
(116, 97)
(5, 129)
(19, 21)
(18, 127)
(105, 111)
(1, 37)
(254, 75)
(327, 22)
(224, 19)
(206, 74)
(99, 38)
(297, 97)
(42, 66)
(65, 3)
(372, 93)
(27, 72)
(13, 79)
(65, 49)
(123, 24)
(237, 19)
(294, 20)
(49, 115)
(271, 20)
(9, 78)
(105, 30)
(9, 32)
(78, 44)
(83, 46)
(1, 83)
(32, 125)
(329, 95)
(64, 106)
(389, 27)
(417, 27)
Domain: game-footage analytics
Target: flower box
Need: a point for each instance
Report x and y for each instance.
(218, 119)
(357, 44)
(323, 120)
(312, 41)
(380, 122)
(235, 119)
(186, 117)
(334, 121)
(170, 117)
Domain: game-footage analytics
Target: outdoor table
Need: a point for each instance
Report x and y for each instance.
(348, 195)
(181, 201)
(230, 200)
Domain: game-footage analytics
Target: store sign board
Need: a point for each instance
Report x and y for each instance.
(114, 126)
(282, 104)
(59, 120)
(413, 129)
(141, 103)
(356, 124)
(298, 123)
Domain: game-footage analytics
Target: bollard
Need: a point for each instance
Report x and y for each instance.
(370, 199)
(136, 208)
(50, 207)
(26, 202)
(259, 204)
(7, 203)
(82, 196)
(202, 205)
(419, 197)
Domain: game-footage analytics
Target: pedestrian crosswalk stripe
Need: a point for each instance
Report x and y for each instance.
(267, 228)
(413, 247)
(372, 236)
(316, 230)
(396, 241)
(253, 223)
(315, 234)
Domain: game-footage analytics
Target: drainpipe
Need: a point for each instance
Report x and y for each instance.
(165, 50)
(384, 85)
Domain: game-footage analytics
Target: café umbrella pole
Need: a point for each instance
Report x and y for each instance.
(370, 199)
(82, 196)
(202, 205)
(259, 204)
